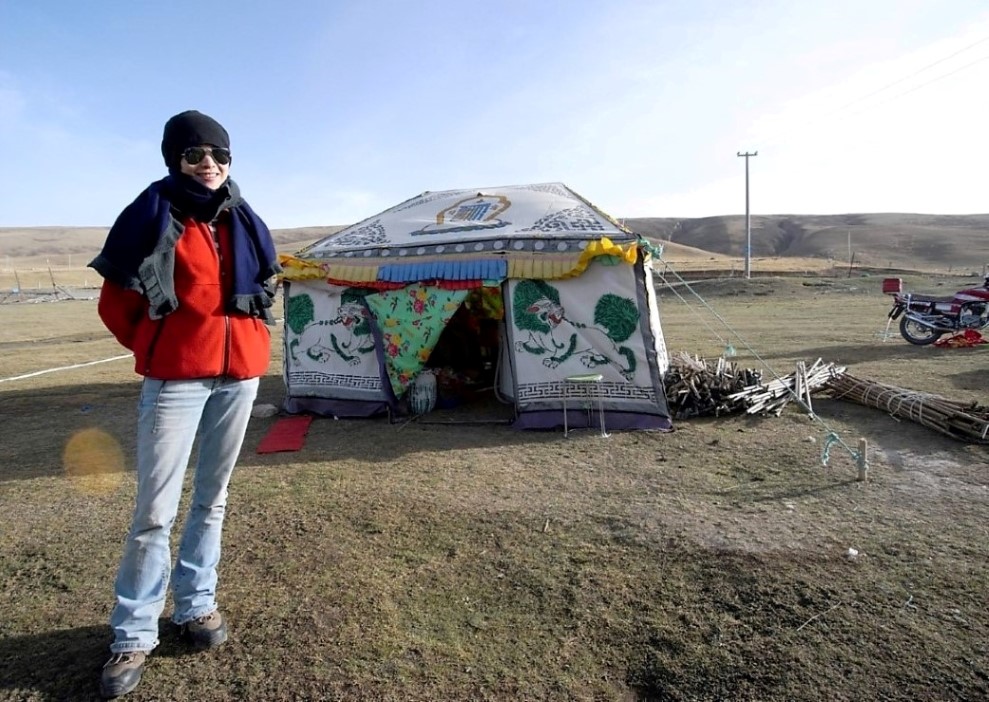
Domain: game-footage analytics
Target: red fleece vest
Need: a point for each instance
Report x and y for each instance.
(200, 339)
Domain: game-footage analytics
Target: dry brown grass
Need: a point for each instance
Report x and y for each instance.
(40, 259)
(424, 562)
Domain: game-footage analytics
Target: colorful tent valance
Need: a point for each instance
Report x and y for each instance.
(551, 266)
(444, 270)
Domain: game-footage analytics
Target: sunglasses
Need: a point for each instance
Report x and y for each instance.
(195, 154)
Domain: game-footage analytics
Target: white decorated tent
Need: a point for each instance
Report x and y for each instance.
(553, 286)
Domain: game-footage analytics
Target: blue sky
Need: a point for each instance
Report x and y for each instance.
(339, 109)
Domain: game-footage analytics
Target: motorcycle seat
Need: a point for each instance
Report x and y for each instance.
(932, 298)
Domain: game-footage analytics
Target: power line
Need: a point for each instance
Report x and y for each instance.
(840, 112)
(916, 73)
(935, 80)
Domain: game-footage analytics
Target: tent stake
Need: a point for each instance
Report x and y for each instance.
(863, 460)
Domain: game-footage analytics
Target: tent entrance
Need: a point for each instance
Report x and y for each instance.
(466, 358)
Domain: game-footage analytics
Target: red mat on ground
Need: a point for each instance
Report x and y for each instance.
(287, 434)
(965, 339)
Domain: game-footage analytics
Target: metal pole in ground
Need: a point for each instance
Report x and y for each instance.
(748, 219)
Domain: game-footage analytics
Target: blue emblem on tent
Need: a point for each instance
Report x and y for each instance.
(476, 213)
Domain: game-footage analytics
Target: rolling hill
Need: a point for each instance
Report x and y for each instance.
(906, 241)
(882, 240)
(76, 246)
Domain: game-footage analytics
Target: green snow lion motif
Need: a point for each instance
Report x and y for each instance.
(536, 311)
(311, 335)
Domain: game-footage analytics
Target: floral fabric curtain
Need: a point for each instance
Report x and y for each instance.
(411, 320)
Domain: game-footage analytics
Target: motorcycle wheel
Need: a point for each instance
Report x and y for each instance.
(917, 333)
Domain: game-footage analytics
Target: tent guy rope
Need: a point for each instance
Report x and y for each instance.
(789, 389)
(63, 368)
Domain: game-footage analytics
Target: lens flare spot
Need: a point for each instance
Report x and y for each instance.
(94, 462)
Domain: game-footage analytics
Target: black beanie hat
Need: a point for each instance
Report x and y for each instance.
(190, 128)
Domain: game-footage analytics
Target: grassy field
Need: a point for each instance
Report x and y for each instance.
(416, 561)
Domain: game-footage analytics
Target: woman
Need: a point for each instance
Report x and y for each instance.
(187, 269)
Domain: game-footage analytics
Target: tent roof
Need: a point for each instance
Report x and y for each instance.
(546, 218)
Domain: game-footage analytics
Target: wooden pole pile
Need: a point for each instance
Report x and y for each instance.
(699, 388)
(959, 420)
(772, 397)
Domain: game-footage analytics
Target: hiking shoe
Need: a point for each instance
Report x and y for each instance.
(122, 673)
(208, 631)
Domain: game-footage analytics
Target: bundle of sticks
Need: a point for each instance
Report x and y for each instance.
(960, 420)
(772, 397)
(698, 388)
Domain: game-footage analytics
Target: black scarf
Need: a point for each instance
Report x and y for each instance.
(139, 253)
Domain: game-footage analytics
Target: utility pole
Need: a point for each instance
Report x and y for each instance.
(748, 219)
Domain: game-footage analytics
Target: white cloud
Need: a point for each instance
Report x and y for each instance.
(895, 134)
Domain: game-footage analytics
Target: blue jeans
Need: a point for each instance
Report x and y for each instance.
(170, 413)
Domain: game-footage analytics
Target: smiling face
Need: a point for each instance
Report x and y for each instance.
(208, 171)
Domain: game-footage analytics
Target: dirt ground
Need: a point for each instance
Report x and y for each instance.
(447, 559)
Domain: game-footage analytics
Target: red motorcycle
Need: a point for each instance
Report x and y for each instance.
(925, 318)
